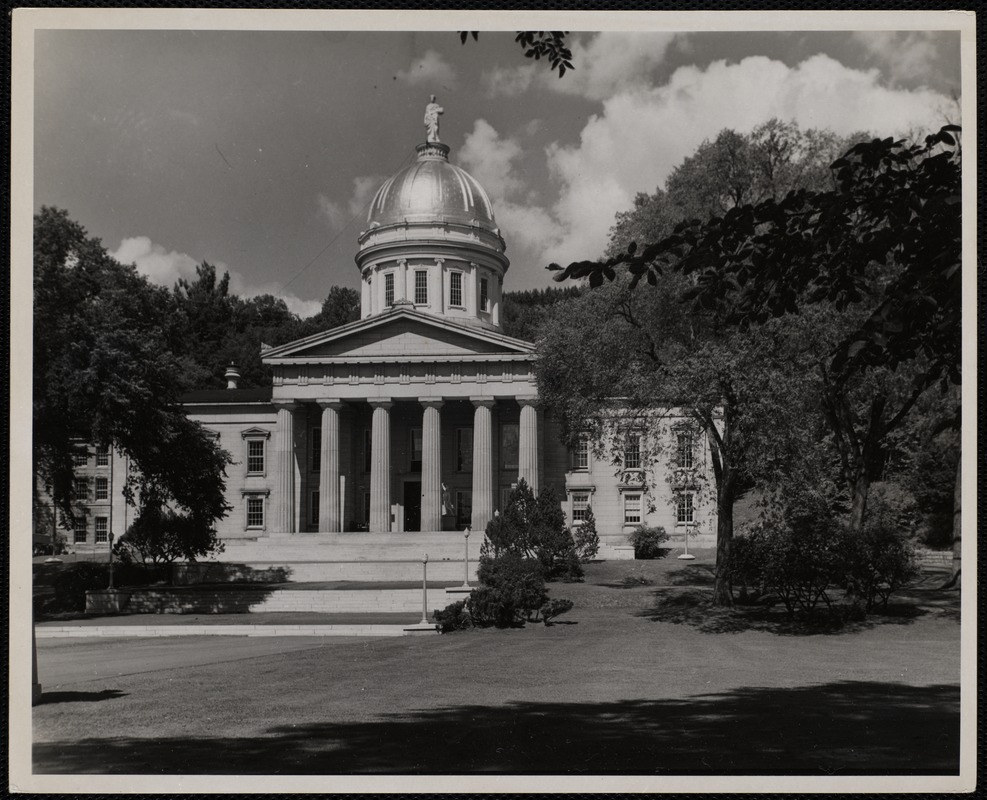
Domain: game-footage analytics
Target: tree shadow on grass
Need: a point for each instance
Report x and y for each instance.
(694, 607)
(839, 728)
(47, 698)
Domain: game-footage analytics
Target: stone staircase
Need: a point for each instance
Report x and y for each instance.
(366, 561)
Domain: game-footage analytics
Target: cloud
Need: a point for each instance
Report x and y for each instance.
(605, 63)
(430, 69)
(643, 133)
(165, 267)
(908, 56)
(489, 158)
(339, 213)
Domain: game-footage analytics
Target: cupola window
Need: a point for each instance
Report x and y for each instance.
(421, 287)
(483, 295)
(456, 289)
(389, 289)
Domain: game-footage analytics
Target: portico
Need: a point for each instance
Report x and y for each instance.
(405, 441)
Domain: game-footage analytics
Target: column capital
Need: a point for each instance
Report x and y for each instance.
(533, 400)
(483, 400)
(380, 402)
(287, 405)
(332, 403)
(440, 261)
(431, 402)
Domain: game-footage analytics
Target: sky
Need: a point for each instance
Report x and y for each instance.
(259, 151)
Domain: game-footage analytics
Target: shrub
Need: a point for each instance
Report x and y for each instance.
(586, 539)
(160, 536)
(880, 561)
(72, 583)
(554, 608)
(514, 588)
(648, 541)
(535, 528)
(453, 617)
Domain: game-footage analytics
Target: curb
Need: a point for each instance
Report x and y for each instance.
(147, 631)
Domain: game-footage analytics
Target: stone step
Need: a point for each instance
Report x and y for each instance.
(319, 571)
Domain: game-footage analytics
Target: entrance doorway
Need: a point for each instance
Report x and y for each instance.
(412, 505)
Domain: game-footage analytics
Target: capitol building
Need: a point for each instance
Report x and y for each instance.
(420, 417)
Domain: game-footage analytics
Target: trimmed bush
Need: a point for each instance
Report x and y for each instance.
(514, 589)
(554, 608)
(648, 542)
(453, 617)
(586, 539)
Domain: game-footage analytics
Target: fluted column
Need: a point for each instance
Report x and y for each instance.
(380, 466)
(329, 521)
(285, 521)
(528, 443)
(483, 489)
(431, 465)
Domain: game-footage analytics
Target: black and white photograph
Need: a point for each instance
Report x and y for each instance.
(421, 402)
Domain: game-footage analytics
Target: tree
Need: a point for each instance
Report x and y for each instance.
(526, 311)
(667, 364)
(106, 373)
(883, 245)
(340, 307)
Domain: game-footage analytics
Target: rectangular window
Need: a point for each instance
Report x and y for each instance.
(255, 512)
(456, 289)
(316, 449)
(464, 508)
(80, 489)
(366, 509)
(421, 288)
(389, 289)
(79, 530)
(509, 433)
(416, 450)
(313, 508)
(102, 530)
(685, 450)
(632, 452)
(255, 456)
(103, 457)
(102, 489)
(484, 297)
(80, 457)
(367, 450)
(684, 511)
(580, 455)
(464, 450)
(632, 508)
(580, 505)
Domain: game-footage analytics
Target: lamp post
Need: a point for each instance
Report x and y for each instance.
(110, 587)
(466, 559)
(687, 556)
(425, 589)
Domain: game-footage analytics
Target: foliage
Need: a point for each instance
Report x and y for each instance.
(550, 45)
(534, 528)
(106, 372)
(454, 617)
(555, 608)
(802, 553)
(881, 560)
(513, 590)
(160, 536)
(526, 311)
(585, 538)
(648, 541)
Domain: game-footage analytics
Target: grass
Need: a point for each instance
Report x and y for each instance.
(615, 690)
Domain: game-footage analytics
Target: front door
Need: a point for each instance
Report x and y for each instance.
(412, 505)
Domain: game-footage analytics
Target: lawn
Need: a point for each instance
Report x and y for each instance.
(617, 686)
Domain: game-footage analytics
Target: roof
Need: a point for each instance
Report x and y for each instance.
(261, 395)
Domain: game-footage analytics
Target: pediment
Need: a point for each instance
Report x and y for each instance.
(400, 334)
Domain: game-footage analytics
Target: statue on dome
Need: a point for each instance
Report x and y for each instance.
(432, 111)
